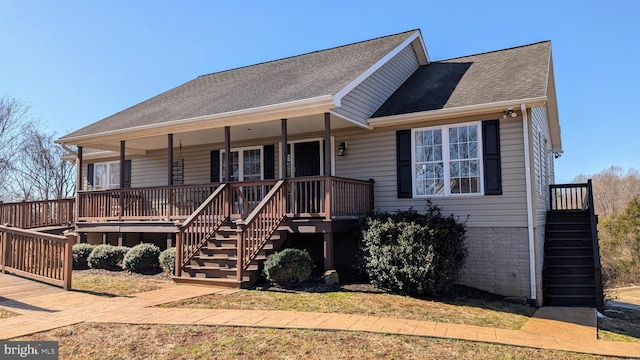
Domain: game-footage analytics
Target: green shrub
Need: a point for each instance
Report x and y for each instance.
(288, 267)
(80, 254)
(412, 253)
(106, 257)
(142, 258)
(168, 260)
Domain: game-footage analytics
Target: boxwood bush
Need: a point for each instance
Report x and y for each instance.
(80, 254)
(142, 258)
(168, 260)
(106, 257)
(288, 267)
(412, 253)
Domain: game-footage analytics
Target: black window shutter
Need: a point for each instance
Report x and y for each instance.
(403, 154)
(127, 174)
(90, 176)
(491, 157)
(269, 161)
(215, 166)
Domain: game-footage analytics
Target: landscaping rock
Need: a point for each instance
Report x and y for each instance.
(330, 277)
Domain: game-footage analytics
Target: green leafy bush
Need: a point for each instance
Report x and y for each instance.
(168, 260)
(106, 257)
(141, 258)
(288, 267)
(80, 254)
(412, 253)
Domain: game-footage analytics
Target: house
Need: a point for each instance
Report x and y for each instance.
(319, 139)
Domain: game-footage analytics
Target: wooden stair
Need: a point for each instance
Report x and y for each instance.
(569, 272)
(216, 262)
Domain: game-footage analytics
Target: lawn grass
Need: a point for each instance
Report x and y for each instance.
(111, 286)
(122, 341)
(488, 313)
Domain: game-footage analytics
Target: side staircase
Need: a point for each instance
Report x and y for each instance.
(571, 272)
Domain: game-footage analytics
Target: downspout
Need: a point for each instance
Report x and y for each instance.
(527, 166)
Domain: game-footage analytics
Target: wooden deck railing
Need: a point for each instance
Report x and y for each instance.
(36, 214)
(200, 226)
(568, 197)
(306, 197)
(596, 246)
(38, 256)
(150, 203)
(257, 228)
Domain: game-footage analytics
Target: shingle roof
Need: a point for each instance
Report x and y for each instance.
(510, 74)
(300, 77)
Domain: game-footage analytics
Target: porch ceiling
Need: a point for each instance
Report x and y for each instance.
(239, 133)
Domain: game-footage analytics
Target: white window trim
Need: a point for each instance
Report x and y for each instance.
(446, 160)
(241, 161)
(108, 184)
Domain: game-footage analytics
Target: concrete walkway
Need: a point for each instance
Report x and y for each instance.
(44, 308)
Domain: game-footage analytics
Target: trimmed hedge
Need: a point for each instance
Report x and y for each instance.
(168, 260)
(142, 258)
(106, 257)
(288, 267)
(80, 254)
(412, 253)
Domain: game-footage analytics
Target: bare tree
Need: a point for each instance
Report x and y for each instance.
(613, 189)
(31, 164)
(14, 119)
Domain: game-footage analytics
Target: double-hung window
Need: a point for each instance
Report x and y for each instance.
(106, 175)
(447, 160)
(246, 164)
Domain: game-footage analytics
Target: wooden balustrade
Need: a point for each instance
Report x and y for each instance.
(305, 197)
(38, 256)
(36, 214)
(568, 197)
(257, 228)
(201, 225)
(149, 203)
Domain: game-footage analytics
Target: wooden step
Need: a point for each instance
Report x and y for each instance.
(570, 300)
(568, 269)
(569, 279)
(569, 250)
(563, 260)
(233, 283)
(571, 289)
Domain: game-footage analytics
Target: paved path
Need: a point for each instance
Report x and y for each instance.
(44, 307)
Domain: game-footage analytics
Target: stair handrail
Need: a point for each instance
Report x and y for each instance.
(256, 230)
(596, 246)
(188, 242)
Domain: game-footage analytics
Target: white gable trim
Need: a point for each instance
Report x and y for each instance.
(337, 98)
(361, 124)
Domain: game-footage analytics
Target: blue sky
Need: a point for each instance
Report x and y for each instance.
(76, 62)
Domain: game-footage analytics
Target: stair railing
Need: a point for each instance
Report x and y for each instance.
(194, 233)
(596, 246)
(256, 230)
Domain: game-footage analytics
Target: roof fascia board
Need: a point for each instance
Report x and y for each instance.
(552, 110)
(457, 111)
(337, 98)
(356, 122)
(253, 115)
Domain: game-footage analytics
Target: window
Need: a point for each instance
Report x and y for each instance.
(106, 175)
(246, 164)
(446, 160)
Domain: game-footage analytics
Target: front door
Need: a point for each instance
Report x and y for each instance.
(307, 158)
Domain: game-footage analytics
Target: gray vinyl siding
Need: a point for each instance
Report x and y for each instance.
(373, 155)
(542, 161)
(366, 98)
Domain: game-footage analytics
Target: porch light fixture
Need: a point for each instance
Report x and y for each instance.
(509, 112)
(342, 148)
